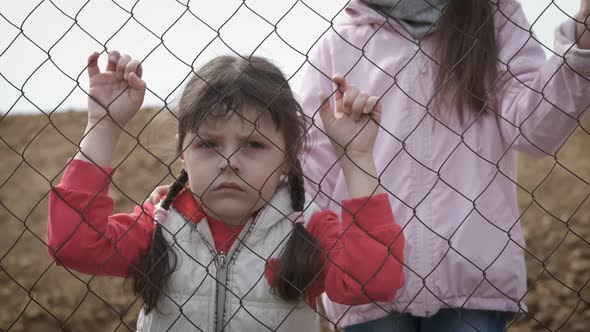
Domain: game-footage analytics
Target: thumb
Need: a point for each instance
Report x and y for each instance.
(326, 113)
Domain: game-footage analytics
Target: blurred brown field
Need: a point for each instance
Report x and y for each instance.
(36, 295)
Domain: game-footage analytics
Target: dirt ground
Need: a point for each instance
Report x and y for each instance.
(36, 295)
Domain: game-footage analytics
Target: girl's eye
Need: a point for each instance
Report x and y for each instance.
(254, 145)
(207, 144)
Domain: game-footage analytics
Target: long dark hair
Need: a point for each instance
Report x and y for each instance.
(231, 84)
(467, 53)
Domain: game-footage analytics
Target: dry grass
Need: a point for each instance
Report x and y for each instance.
(38, 296)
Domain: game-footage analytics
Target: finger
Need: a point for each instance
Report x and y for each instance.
(93, 64)
(358, 105)
(350, 95)
(370, 105)
(163, 190)
(153, 199)
(374, 108)
(341, 85)
(326, 113)
(132, 67)
(378, 112)
(112, 60)
(121, 64)
(139, 70)
(158, 194)
(135, 82)
(156, 199)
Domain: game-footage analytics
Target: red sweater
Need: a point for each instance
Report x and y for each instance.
(363, 258)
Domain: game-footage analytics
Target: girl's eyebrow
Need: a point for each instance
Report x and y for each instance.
(207, 134)
(252, 135)
(218, 134)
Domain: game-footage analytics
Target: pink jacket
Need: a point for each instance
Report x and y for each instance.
(452, 185)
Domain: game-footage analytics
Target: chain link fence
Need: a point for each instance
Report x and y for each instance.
(37, 295)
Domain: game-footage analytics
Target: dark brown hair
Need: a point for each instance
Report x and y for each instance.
(225, 85)
(467, 53)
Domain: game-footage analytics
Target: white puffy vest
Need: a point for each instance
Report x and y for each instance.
(214, 292)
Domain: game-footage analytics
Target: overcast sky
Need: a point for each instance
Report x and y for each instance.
(46, 63)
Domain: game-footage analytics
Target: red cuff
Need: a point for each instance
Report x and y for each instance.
(367, 211)
(83, 176)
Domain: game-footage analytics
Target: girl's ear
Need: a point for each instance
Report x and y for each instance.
(284, 171)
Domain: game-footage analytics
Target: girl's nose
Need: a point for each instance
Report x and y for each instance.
(230, 160)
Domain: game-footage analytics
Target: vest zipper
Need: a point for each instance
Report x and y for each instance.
(222, 261)
(221, 290)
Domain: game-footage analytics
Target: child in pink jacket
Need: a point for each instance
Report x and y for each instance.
(456, 114)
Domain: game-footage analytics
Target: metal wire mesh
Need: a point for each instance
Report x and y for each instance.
(38, 295)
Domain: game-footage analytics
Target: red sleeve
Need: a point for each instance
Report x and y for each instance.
(364, 253)
(81, 232)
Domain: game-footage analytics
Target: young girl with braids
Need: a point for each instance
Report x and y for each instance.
(234, 246)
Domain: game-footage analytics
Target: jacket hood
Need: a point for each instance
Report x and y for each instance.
(358, 13)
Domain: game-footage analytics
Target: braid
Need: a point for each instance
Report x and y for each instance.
(175, 188)
(296, 186)
(153, 270)
(297, 266)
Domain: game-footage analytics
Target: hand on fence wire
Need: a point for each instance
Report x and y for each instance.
(353, 124)
(115, 97)
(118, 91)
(158, 194)
(352, 127)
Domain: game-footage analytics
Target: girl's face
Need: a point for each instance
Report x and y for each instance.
(234, 164)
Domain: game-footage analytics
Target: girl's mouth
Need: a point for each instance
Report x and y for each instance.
(227, 185)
